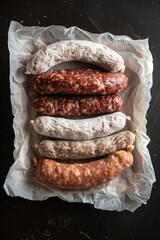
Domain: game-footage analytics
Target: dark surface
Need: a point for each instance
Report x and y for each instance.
(55, 219)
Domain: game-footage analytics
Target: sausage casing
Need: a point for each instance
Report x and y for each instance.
(80, 81)
(78, 105)
(83, 175)
(61, 149)
(74, 50)
(79, 129)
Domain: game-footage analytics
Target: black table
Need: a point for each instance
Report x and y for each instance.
(55, 219)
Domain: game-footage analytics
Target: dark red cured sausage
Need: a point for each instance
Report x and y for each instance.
(77, 106)
(83, 175)
(80, 81)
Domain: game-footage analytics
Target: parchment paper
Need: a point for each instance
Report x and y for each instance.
(130, 189)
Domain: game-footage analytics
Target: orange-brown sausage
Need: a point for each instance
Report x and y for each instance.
(83, 175)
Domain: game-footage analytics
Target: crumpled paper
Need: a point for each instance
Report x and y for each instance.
(134, 186)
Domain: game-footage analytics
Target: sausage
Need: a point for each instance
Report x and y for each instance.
(61, 149)
(60, 106)
(83, 175)
(79, 129)
(80, 81)
(74, 50)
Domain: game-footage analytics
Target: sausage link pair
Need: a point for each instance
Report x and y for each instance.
(79, 129)
(61, 149)
(78, 105)
(74, 50)
(80, 81)
(83, 175)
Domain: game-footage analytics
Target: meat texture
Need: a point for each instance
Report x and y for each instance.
(62, 149)
(80, 81)
(82, 176)
(60, 106)
(79, 129)
(74, 50)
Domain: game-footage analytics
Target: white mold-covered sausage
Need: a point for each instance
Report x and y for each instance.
(74, 50)
(63, 149)
(79, 129)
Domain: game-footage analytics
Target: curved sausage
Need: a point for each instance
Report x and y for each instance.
(85, 175)
(61, 149)
(80, 81)
(77, 106)
(79, 129)
(74, 50)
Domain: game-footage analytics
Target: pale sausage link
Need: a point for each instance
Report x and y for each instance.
(79, 129)
(85, 175)
(74, 50)
(80, 81)
(61, 149)
(78, 105)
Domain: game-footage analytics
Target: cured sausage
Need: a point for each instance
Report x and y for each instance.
(83, 175)
(78, 105)
(61, 149)
(74, 50)
(79, 129)
(80, 81)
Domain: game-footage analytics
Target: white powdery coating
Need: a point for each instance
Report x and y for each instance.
(61, 149)
(74, 50)
(79, 129)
